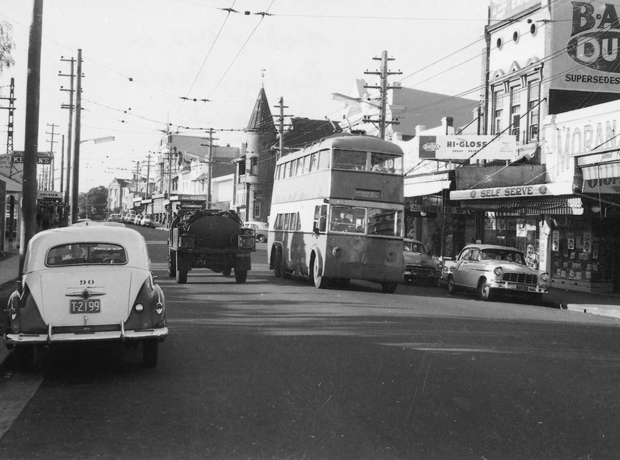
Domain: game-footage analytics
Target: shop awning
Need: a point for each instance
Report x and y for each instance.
(601, 178)
(556, 205)
(428, 184)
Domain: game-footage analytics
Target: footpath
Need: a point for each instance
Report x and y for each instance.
(584, 302)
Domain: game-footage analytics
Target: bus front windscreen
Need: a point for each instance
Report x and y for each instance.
(356, 160)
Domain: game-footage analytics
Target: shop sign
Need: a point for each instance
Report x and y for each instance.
(575, 135)
(467, 147)
(49, 194)
(607, 185)
(585, 45)
(518, 191)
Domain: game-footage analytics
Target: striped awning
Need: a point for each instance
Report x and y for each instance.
(557, 205)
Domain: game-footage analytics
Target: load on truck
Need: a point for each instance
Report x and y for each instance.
(209, 238)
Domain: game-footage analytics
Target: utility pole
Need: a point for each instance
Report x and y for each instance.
(281, 125)
(148, 173)
(76, 150)
(383, 89)
(50, 184)
(62, 163)
(11, 109)
(210, 165)
(31, 143)
(70, 106)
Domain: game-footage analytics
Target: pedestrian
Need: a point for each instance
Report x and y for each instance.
(45, 223)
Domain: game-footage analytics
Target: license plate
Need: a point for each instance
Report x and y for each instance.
(522, 288)
(85, 306)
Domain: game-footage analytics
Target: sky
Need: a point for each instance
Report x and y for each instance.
(145, 61)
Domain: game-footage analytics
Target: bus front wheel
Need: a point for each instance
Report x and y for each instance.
(320, 282)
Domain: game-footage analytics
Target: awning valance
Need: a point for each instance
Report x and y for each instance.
(556, 205)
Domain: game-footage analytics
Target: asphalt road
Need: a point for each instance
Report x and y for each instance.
(276, 369)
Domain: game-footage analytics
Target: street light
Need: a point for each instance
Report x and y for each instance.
(99, 140)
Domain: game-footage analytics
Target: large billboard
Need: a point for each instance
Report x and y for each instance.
(467, 147)
(585, 45)
(506, 9)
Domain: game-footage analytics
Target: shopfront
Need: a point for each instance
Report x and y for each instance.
(547, 222)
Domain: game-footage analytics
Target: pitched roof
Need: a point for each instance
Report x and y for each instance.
(261, 119)
(305, 130)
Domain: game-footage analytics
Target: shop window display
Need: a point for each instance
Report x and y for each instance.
(516, 232)
(579, 255)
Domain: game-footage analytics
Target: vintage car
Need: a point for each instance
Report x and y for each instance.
(148, 221)
(420, 265)
(261, 229)
(86, 283)
(489, 269)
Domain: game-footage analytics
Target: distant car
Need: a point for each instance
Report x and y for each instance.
(137, 219)
(86, 283)
(148, 221)
(420, 265)
(488, 269)
(260, 230)
(129, 217)
(114, 218)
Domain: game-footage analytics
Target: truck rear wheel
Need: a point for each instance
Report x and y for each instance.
(241, 276)
(181, 276)
(172, 264)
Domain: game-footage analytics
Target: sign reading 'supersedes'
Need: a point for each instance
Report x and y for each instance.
(467, 147)
(585, 41)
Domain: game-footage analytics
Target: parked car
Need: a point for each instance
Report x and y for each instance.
(488, 269)
(260, 230)
(114, 218)
(129, 217)
(86, 283)
(420, 264)
(148, 221)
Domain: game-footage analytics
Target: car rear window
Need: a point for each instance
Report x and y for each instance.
(86, 254)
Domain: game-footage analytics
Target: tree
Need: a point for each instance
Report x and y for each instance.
(6, 45)
(94, 203)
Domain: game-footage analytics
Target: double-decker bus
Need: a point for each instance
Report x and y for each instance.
(337, 212)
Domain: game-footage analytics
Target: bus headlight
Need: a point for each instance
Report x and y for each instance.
(337, 252)
(390, 256)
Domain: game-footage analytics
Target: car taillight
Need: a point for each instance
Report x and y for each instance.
(25, 317)
(148, 309)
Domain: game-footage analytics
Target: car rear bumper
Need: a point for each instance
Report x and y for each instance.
(421, 273)
(86, 336)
